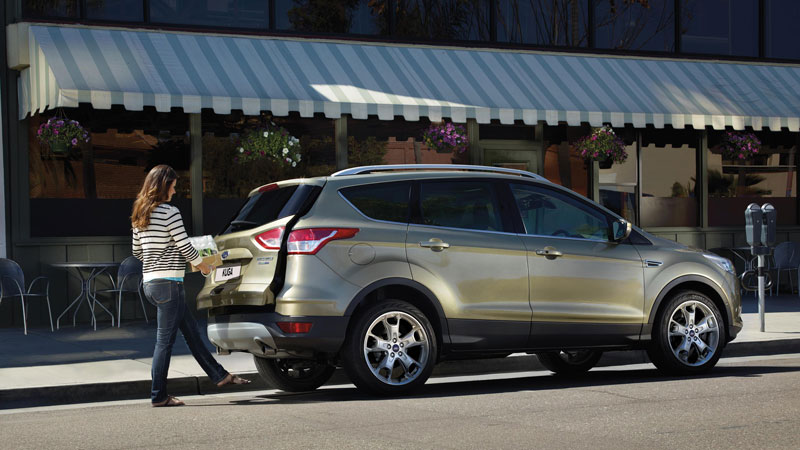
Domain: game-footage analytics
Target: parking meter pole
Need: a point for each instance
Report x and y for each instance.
(761, 286)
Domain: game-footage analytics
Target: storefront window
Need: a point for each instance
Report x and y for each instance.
(50, 8)
(374, 141)
(562, 163)
(330, 16)
(782, 17)
(669, 174)
(720, 27)
(90, 191)
(769, 177)
(648, 26)
(543, 22)
(618, 185)
(116, 10)
(252, 14)
(228, 177)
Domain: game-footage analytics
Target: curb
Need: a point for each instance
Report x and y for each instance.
(185, 386)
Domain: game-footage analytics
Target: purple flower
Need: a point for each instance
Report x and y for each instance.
(74, 141)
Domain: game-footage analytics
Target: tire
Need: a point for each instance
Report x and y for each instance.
(293, 375)
(677, 347)
(570, 362)
(410, 354)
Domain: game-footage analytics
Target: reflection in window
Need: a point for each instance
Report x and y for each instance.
(386, 201)
(227, 181)
(328, 16)
(618, 186)
(543, 22)
(375, 141)
(469, 205)
(562, 163)
(720, 27)
(669, 174)
(116, 10)
(635, 25)
(51, 8)
(782, 17)
(768, 177)
(444, 19)
(546, 212)
(96, 183)
(229, 14)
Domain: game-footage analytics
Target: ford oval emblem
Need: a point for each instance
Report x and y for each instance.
(224, 254)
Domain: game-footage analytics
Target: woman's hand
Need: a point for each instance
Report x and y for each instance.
(205, 268)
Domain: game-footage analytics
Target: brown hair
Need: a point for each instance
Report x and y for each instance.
(155, 191)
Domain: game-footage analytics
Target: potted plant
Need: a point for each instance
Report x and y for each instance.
(602, 145)
(273, 143)
(61, 134)
(446, 138)
(738, 146)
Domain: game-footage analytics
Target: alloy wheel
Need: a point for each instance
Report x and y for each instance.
(693, 333)
(396, 348)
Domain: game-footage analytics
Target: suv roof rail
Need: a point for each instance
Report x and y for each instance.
(454, 167)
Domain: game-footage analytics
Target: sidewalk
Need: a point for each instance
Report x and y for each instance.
(74, 365)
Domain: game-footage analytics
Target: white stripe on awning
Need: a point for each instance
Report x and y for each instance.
(104, 67)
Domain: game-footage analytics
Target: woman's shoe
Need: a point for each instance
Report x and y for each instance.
(170, 401)
(233, 379)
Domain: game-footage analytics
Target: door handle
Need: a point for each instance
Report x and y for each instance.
(434, 244)
(549, 252)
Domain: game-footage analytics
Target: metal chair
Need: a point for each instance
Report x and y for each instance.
(786, 256)
(12, 284)
(129, 279)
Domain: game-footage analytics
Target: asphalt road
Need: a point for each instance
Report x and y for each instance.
(751, 402)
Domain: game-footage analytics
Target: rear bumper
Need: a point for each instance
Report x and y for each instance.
(258, 334)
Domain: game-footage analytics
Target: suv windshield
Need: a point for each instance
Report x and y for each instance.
(267, 206)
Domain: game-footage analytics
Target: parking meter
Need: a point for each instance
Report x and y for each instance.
(753, 219)
(768, 224)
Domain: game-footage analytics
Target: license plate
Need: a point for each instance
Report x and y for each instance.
(227, 273)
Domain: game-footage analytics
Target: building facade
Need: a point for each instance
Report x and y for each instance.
(193, 84)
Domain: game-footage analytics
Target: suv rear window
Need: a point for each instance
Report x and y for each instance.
(270, 205)
(386, 201)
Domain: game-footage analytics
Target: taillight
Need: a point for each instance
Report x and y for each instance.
(269, 187)
(310, 240)
(270, 239)
(294, 327)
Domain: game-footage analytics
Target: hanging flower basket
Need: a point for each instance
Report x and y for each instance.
(739, 146)
(61, 134)
(602, 145)
(273, 143)
(446, 138)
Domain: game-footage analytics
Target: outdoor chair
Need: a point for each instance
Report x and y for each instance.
(786, 256)
(12, 284)
(129, 279)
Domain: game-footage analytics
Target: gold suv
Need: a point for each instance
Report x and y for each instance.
(387, 270)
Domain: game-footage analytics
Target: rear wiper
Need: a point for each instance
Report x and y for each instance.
(239, 223)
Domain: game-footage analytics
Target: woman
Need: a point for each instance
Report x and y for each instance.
(161, 243)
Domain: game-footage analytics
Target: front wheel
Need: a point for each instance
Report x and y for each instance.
(572, 362)
(293, 375)
(390, 349)
(688, 335)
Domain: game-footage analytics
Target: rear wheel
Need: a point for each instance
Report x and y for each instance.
(688, 335)
(293, 375)
(570, 362)
(391, 349)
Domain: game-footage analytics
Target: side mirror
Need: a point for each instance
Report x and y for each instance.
(620, 230)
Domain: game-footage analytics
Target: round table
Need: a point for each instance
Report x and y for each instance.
(85, 272)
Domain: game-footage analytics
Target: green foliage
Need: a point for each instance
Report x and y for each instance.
(273, 143)
(720, 185)
(58, 130)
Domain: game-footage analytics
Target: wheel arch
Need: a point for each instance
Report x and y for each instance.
(406, 290)
(695, 283)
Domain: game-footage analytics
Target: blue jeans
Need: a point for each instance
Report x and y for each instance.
(169, 297)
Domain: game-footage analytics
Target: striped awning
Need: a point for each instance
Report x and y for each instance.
(104, 67)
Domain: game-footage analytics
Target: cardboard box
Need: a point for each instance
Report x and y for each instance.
(215, 260)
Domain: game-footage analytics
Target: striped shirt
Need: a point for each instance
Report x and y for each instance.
(163, 247)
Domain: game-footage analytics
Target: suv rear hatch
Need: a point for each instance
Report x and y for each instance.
(253, 245)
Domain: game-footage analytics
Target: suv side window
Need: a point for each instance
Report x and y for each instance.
(385, 201)
(470, 205)
(547, 212)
